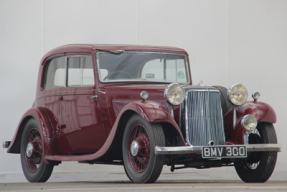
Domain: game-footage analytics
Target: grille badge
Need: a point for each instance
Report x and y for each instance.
(211, 143)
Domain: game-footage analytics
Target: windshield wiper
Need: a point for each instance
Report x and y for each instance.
(116, 52)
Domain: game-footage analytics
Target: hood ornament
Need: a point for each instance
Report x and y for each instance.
(201, 84)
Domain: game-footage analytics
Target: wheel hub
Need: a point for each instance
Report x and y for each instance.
(134, 148)
(29, 149)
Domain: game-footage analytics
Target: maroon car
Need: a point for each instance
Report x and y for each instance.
(136, 106)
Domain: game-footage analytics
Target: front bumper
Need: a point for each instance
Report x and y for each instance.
(198, 149)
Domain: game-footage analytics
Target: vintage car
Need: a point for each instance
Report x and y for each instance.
(136, 106)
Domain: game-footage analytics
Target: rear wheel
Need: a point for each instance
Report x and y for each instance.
(34, 168)
(259, 166)
(140, 138)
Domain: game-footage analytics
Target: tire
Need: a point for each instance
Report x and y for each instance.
(259, 166)
(32, 159)
(142, 165)
(225, 103)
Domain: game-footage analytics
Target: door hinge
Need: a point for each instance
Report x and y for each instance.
(63, 126)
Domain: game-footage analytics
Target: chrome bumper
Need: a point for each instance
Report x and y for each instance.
(197, 149)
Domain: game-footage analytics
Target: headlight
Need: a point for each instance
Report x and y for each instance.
(249, 122)
(174, 94)
(237, 94)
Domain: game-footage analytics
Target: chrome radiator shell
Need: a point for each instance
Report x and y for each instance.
(201, 117)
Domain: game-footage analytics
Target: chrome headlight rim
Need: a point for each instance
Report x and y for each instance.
(230, 93)
(179, 98)
(249, 123)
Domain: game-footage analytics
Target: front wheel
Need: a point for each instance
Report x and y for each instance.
(139, 140)
(259, 166)
(32, 158)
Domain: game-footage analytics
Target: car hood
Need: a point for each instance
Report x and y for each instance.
(131, 92)
(115, 97)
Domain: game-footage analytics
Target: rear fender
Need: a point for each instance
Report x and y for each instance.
(47, 124)
(261, 111)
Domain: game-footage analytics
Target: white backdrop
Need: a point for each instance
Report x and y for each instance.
(228, 41)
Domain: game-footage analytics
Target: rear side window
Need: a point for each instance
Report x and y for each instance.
(80, 71)
(71, 71)
(55, 73)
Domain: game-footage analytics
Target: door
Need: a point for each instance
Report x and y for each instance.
(80, 119)
(53, 81)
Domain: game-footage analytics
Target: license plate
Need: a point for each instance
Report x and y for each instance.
(231, 151)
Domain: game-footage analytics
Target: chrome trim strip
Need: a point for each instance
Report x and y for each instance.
(263, 147)
(234, 117)
(177, 150)
(204, 89)
(141, 81)
(171, 111)
(197, 149)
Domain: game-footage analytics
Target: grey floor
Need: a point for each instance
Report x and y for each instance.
(108, 178)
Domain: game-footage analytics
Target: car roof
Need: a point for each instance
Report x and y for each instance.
(91, 48)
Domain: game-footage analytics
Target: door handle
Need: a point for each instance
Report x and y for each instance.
(94, 97)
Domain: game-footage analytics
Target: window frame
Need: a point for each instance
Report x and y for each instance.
(67, 69)
(47, 64)
(145, 81)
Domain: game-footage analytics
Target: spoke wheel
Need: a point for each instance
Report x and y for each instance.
(259, 166)
(139, 148)
(34, 149)
(140, 138)
(34, 168)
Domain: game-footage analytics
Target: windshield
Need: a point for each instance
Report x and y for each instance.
(142, 66)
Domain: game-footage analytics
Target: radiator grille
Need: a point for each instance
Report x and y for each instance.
(204, 119)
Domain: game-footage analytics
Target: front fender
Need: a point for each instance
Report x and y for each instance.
(152, 112)
(47, 126)
(261, 111)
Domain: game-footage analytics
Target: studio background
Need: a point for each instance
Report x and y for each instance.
(228, 41)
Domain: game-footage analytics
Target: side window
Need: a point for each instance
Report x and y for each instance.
(55, 73)
(80, 71)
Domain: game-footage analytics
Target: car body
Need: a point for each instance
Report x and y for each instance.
(136, 106)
